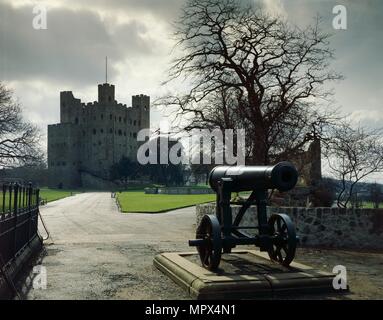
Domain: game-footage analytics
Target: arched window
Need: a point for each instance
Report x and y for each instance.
(94, 131)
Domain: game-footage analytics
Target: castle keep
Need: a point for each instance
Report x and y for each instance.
(91, 137)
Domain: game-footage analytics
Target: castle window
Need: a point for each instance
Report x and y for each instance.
(135, 122)
(134, 135)
(119, 119)
(130, 121)
(102, 117)
(110, 98)
(110, 117)
(119, 132)
(94, 131)
(102, 130)
(111, 131)
(76, 121)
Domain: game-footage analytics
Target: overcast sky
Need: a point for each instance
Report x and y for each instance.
(135, 35)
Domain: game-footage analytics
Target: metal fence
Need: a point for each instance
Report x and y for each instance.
(18, 219)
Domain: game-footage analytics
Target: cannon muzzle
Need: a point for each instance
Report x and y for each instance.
(282, 176)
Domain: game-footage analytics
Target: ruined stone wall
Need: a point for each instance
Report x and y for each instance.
(324, 227)
(309, 164)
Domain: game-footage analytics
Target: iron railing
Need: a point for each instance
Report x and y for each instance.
(19, 209)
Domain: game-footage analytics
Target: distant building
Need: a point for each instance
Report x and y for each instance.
(91, 137)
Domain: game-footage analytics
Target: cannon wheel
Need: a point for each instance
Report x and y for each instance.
(210, 253)
(284, 237)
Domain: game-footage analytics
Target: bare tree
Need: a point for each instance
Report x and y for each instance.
(248, 69)
(19, 140)
(352, 155)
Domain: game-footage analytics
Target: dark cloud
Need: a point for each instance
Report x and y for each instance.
(72, 49)
(357, 50)
(70, 54)
(166, 10)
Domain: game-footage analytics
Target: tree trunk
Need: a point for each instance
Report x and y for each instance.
(259, 156)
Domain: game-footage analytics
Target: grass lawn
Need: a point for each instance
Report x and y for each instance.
(45, 194)
(152, 203)
(370, 205)
(54, 194)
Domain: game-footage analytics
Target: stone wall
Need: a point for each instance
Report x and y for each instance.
(324, 227)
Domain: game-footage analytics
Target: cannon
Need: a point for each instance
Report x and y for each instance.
(220, 233)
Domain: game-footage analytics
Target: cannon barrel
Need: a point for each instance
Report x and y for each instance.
(282, 176)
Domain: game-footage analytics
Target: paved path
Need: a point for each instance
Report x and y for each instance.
(96, 252)
(99, 253)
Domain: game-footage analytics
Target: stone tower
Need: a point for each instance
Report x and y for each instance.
(91, 137)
